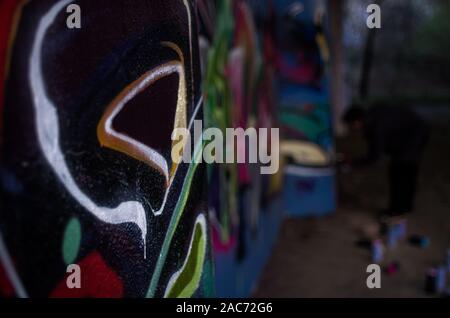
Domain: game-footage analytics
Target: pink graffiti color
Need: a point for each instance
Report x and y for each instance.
(218, 244)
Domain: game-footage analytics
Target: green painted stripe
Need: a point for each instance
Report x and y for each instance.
(178, 211)
(189, 279)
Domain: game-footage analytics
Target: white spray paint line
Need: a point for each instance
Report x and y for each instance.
(11, 271)
(48, 135)
(148, 152)
(195, 112)
(166, 194)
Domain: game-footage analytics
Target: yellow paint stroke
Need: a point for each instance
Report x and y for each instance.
(122, 143)
(305, 153)
(188, 10)
(320, 37)
(12, 36)
(181, 111)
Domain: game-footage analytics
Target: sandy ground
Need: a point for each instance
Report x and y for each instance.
(320, 258)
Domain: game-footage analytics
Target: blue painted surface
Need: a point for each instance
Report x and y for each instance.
(296, 96)
(238, 279)
(303, 195)
(306, 196)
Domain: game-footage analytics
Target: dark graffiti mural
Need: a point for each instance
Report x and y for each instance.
(87, 176)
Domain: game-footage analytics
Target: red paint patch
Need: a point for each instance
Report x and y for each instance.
(97, 281)
(6, 288)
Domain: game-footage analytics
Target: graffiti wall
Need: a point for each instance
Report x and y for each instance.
(87, 116)
(244, 205)
(87, 177)
(302, 61)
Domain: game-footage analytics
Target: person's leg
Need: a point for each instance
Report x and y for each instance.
(403, 185)
(410, 185)
(411, 161)
(403, 176)
(395, 186)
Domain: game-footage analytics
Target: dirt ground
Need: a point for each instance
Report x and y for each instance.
(320, 258)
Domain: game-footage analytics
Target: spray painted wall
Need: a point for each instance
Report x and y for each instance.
(304, 106)
(86, 117)
(86, 170)
(244, 205)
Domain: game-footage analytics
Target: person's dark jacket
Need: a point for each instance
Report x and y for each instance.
(395, 131)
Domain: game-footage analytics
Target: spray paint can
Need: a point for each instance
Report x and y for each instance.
(392, 237)
(441, 279)
(420, 241)
(377, 251)
(392, 268)
(431, 281)
(402, 229)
